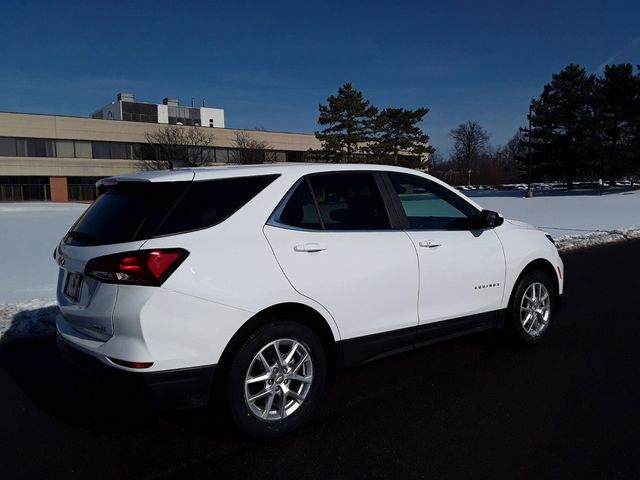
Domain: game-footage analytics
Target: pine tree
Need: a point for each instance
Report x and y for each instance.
(349, 120)
(398, 139)
(616, 99)
(562, 124)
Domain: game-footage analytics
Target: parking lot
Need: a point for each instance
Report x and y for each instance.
(474, 407)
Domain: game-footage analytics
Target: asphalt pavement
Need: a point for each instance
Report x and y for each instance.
(475, 407)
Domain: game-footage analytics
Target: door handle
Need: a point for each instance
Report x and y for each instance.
(309, 248)
(429, 243)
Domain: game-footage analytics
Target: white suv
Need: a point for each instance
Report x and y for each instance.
(251, 284)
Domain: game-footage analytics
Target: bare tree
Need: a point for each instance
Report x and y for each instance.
(436, 159)
(189, 145)
(248, 149)
(470, 141)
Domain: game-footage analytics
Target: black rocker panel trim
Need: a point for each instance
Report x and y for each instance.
(354, 351)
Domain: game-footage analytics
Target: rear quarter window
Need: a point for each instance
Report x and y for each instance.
(209, 202)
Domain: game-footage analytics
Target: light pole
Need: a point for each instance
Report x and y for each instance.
(529, 191)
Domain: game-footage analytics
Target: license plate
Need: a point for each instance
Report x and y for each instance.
(72, 288)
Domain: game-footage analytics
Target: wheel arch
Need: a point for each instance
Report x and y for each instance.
(538, 265)
(290, 311)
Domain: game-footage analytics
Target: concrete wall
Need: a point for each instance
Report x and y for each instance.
(215, 114)
(163, 114)
(76, 128)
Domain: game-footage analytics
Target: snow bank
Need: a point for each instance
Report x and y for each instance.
(594, 239)
(27, 320)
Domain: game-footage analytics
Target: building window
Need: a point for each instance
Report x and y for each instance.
(139, 112)
(65, 149)
(118, 150)
(7, 147)
(21, 188)
(208, 155)
(222, 155)
(82, 189)
(83, 149)
(100, 150)
(35, 147)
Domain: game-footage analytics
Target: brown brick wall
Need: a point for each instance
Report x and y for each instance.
(59, 190)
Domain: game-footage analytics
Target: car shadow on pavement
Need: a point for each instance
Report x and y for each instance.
(45, 378)
(55, 387)
(29, 355)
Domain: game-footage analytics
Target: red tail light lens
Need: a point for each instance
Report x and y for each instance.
(142, 267)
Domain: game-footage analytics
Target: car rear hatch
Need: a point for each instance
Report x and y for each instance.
(126, 214)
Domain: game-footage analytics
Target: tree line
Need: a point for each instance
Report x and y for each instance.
(586, 125)
(583, 127)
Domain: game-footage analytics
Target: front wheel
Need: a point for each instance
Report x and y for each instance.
(532, 308)
(275, 380)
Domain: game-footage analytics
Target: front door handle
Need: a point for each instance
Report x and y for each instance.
(429, 243)
(309, 248)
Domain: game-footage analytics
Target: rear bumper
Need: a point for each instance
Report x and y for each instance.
(168, 390)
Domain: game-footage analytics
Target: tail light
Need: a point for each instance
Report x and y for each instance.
(141, 267)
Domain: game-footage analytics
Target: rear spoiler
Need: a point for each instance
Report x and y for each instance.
(105, 184)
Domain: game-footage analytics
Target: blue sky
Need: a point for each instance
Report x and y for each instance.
(269, 64)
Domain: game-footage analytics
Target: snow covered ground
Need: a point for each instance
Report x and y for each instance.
(29, 233)
(568, 214)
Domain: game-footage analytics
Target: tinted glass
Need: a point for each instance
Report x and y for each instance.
(35, 147)
(101, 150)
(300, 211)
(429, 206)
(64, 149)
(7, 146)
(222, 155)
(118, 150)
(83, 149)
(138, 211)
(209, 202)
(126, 212)
(139, 112)
(349, 201)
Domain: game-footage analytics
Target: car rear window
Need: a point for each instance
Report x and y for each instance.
(131, 211)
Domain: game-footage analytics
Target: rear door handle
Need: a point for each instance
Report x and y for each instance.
(429, 243)
(309, 247)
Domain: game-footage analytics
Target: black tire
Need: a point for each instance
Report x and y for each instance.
(241, 415)
(514, 324)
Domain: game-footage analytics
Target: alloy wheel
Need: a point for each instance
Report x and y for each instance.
(535, 309)
(278, 379)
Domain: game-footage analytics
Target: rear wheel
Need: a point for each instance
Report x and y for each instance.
(275, 380)
(532, 308)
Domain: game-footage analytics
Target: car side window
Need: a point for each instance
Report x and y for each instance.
(349, 201)
(300, 210)
(335, 201)
(429, 206)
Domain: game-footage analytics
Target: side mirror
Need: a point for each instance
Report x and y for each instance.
(490, 219)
